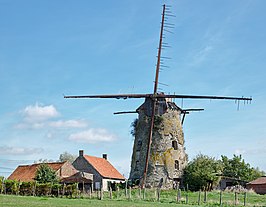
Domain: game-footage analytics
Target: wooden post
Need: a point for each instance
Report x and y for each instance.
(83, 187)
(144, 193)
(199, 197)
(117, 192)
(129, 193)
(126, 189)
(19, 183)
(34, 188)
(245, 198)
(221, 202)
(63, 192)
(139, 192)
(158, 194)
(2, 185)
(110, 193)
(5, 186)
(90, 192)
(178, 196)
(236, 201)
(101, 194)
(205, 196)
(187, 195)
(51, 188)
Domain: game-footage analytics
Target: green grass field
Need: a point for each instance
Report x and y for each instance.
(168, 198)
(29, 201)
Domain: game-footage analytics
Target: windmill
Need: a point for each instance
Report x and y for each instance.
(161, 164)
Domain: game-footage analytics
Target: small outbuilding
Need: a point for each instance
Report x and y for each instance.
(101, 168)
(84, 180)
(258, 185)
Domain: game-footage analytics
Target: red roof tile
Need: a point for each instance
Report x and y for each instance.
(104, 167)
(27, 172)
(258, 181)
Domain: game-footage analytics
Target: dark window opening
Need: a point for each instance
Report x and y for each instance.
(176, 165)
(174, 145)
(137, 165)
(139, 145)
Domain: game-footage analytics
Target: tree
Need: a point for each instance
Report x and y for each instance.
(201, 173)
(239, 169)
(67, 157)
(43, 161)
(45, 174)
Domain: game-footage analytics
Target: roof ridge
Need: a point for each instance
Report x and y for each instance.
(42, 163)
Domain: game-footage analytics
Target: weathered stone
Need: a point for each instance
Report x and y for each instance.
(167, 155)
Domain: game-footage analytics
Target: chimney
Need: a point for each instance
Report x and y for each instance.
(81, 152)
(105, 156)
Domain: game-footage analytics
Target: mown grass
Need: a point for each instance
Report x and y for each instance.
(167, 198)
(29, 201)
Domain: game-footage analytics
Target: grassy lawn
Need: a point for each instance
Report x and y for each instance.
(29, 201)
(167, 198)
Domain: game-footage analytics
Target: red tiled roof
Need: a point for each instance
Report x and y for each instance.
(258, 181)
(104, 167)
(27, 172)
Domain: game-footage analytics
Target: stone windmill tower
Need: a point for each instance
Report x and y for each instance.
(167, 152)
(158, 156)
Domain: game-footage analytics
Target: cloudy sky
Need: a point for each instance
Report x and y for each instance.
(52, 48)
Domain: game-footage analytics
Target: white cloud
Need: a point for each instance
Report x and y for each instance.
(39, 117)
(93, 136)
(4, 150)
(39, 113)
(68, 124)
(26, 125)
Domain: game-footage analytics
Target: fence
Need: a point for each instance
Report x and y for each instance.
(214, 198)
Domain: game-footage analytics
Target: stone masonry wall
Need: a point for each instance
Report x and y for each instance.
(167, 155)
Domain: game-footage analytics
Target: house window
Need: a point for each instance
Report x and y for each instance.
(97, 185)
(176, 165)
(174, 145)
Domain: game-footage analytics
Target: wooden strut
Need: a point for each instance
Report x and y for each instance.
(153, 102)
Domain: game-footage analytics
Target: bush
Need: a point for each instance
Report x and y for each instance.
(27, 188)
(43, 189)
(201, 173)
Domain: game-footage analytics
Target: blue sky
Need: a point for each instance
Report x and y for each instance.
(52, 48)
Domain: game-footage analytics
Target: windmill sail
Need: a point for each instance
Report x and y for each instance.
(158, 105)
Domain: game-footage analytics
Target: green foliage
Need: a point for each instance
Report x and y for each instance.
(133, 126)
(239, 169)
(157, 122)
(43, 189)
(201, 173)
(65, 156)
(12, 186)
(27, 188)
(15, 187)
(2, 179)
(45, 174)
